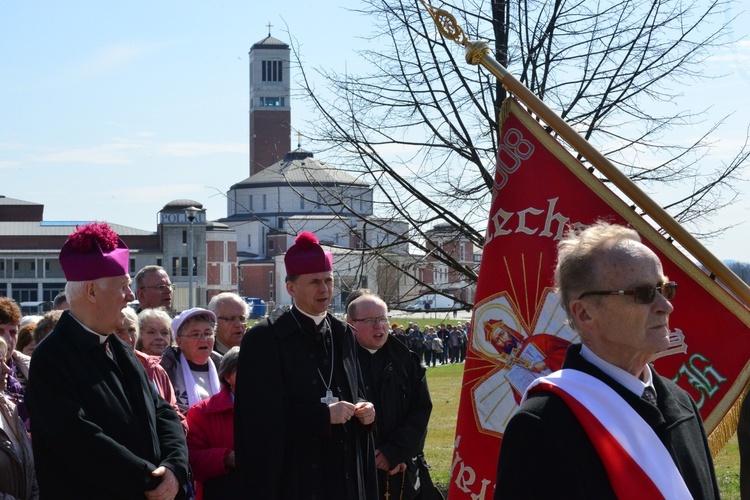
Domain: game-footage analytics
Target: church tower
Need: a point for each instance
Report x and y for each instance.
(270, 113)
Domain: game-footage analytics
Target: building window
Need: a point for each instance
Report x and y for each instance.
(159, 262)
(264, 202)
(270, 278)
(132, 266)
(280, 223)
(32, 265)
(270, 245)
(463, 251)
(301, 202)
(16, 265)
(184, 237)
(250, 203)
(183, 266)
(271, 102)
(271, 71)
(175, 266)
(249, 241)
(2, 265)
(46, 265)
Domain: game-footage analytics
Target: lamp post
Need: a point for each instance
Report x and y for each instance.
(191, 212)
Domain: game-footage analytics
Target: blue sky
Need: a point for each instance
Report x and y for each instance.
(111, 110)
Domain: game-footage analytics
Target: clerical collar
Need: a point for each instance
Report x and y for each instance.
(102, 338)
(371, 351)
(627, 380)
(317, 319)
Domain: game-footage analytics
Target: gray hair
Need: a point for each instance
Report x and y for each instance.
(578, 255)
(229, 364)
(144, 271)
(74, 290)
(224, 297)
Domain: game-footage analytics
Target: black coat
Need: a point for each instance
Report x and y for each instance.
(396, 382)
(545, 453)
(285, 446)
(98, 428)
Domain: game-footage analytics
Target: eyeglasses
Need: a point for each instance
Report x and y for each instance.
(162, 288)
(373, 321)
(642, 294)
(199, 336)
(232, 319)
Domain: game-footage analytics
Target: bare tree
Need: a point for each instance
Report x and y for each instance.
(421, 125)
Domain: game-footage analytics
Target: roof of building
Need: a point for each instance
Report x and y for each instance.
(182, 204)
(299, 167)
(60, 228)
(4, 200)
(270, 42)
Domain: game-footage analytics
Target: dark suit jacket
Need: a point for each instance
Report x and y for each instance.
(545, 453)
(98, 428)
(282, 430)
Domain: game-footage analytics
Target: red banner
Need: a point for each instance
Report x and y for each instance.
(519, 327)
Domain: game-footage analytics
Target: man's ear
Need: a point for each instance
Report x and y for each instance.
(90, 291)
(290, 288)
(583, 314)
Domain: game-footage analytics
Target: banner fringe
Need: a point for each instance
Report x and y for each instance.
(726, 428)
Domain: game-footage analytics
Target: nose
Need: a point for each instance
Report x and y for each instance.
(662, 304)
(130, 297)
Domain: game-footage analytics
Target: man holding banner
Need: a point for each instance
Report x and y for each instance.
(607, 425)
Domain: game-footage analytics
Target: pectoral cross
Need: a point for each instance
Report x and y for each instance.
(330, 398)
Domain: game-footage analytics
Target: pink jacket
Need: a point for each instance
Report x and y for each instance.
(211, 435)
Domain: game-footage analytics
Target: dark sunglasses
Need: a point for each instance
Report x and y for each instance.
(642, 294)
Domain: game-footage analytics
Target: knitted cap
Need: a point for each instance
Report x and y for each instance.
(306, 256)
(94, 251)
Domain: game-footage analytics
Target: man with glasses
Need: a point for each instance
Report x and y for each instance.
(231, 320)
(302, 425)
(153, 288)
(396, 383)
(607, 425)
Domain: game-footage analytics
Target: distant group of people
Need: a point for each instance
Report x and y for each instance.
(115, 403)
(442, 344)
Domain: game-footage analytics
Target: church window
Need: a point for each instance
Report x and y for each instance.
(271, 71)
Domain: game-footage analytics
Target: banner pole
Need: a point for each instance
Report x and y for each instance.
(478, 52)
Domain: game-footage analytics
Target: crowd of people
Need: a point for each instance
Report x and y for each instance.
(98, 400)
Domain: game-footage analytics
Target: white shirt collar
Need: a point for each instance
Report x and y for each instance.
(317, 319)
(100, 337)
(630, 382)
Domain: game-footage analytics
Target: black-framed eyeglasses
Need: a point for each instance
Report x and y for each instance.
(642, 294)
(232, 319)
(373, 321)
(162, 288)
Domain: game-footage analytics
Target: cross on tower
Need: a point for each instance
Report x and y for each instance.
(269, 26)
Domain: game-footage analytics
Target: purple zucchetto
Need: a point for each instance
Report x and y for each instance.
(94, 251)
(306, 256)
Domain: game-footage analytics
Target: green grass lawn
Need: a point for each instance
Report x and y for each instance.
(445, 385)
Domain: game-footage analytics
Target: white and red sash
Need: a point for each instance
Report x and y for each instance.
(636, 461)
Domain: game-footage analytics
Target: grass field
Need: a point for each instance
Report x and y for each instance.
(445, 385)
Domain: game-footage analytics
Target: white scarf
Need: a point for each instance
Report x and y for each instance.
(191, 387)
(619, 434)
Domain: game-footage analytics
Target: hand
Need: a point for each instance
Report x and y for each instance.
(341, 412)
(168, 487)
(365, 412)
(229, 462)
(399, 468)
(381, 462)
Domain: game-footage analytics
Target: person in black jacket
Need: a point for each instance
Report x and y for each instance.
(302, 424)
(100, 429)
(607, 425)
(396, 383)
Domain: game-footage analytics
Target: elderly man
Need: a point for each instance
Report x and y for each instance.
(607, 425)
(153, 288)
(100, 428)
(396, 383)
(231, 316)
(301, 422)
